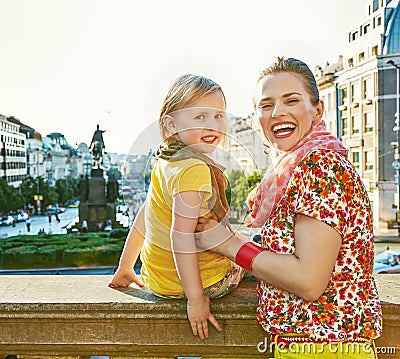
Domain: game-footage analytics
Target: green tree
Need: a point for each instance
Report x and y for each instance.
(28, 190)
(10, 198)
(239, 189)
(254, 180)
(38, 186)
(50, 195)
(67, 189)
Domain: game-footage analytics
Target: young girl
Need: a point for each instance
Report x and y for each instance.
(185, 184)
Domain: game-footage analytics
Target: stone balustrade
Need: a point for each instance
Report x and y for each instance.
(78, 316)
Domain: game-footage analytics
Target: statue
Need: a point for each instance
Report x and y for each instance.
(97, 147)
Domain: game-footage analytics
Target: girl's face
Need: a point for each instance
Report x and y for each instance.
(202, 125)
(284, 109)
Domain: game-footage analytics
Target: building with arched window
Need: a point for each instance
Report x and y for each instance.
(363, 90)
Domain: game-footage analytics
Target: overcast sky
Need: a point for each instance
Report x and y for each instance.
(67, 65)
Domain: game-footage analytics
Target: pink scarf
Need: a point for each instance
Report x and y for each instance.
(264, 198)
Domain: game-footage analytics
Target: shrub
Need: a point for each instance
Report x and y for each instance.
(118, 233)
(28, 257)
(60, 250)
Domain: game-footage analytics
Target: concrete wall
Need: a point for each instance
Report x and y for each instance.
(78, 316)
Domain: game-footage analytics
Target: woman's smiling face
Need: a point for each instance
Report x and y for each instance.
(284, 109)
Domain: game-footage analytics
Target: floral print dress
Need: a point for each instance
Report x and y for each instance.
(325, 186)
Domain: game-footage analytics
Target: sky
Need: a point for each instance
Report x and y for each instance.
(68, 65)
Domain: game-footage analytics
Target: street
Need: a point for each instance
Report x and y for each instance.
(42, 222)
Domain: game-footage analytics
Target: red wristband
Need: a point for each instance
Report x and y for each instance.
(246, 254)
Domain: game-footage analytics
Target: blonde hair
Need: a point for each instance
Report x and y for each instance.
(185, 90)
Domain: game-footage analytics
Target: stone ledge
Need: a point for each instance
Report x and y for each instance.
(78, 316)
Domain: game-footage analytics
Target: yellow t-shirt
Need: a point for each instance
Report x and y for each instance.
(158, 266)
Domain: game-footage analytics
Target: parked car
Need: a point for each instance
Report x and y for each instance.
(74, 204)
(387, 262)
(7, 220)
(21, 217)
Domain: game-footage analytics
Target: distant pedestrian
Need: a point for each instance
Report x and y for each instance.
(49, 217)
(84, 226)
(57, 218)
(28, 224)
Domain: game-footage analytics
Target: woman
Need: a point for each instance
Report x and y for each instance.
(315, 263)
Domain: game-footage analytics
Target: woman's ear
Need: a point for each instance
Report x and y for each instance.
(319, 109)
(169, 124)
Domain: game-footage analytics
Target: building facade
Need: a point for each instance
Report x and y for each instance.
(246, 147)
(359, 93)
(12, 152)
(62, 160)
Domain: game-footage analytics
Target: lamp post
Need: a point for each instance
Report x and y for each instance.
(396, 162)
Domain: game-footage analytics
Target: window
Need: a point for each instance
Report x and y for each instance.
(375, 5)
(343, 93)
(368, 122)
(350, 62)
(354, 35)
(355, 156)
(345, 128)
(361, 56)
(367, 88)
(379, 21)
(355, 91)
(355, 124)
(365, 29)
(374, 50)
(369, 160)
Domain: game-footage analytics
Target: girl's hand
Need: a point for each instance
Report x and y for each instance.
(210, 235)
(123, 277)
(198, 312)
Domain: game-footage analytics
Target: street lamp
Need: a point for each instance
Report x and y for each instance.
(396, 162)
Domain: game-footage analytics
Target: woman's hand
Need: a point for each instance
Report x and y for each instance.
(199, 314)
(210, 235)
(123, 277)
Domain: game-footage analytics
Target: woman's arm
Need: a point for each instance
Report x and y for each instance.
(305, 273)
(125, 274)
(185, 213)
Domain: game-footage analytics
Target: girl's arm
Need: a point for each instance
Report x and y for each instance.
(305, 273)
(125, 274)
(185, 213)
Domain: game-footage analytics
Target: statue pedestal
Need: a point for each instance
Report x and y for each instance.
(97, 190)
(96, 209)
(96, 213)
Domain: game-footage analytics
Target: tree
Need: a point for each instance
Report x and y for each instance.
(239, 189)
(254, 180)
(10, 198)
(67, 189)
(241, 186)
(114, 172)
(28, 190)
(38, 186)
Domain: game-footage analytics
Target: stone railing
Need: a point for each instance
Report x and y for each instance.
(78, 316)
